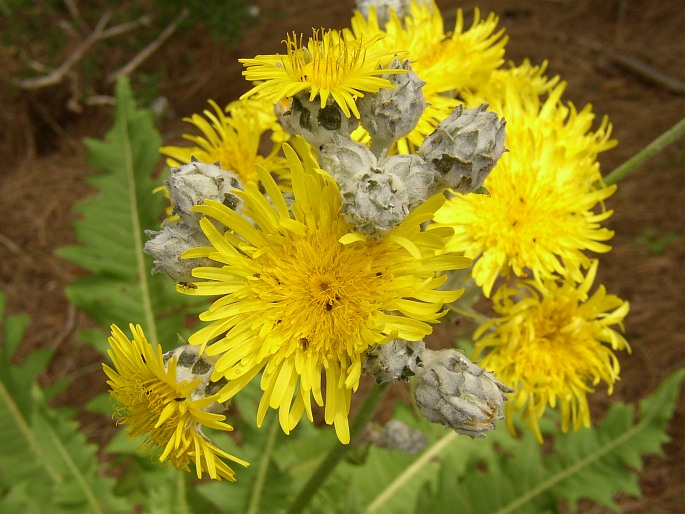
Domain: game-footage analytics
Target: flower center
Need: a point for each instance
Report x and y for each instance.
(320, 292)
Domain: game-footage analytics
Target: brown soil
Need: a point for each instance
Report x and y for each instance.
(584, 42)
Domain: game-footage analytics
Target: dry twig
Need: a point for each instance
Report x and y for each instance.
(100, 32)
(150, 48)
(637, 67)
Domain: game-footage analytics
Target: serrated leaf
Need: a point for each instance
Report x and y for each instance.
(49, 465)
(111, 232)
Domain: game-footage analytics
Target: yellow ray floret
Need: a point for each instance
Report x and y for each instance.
(303, 297)
(161, 410)
(545, 206)
(552, 343)
(331, 64)
(233, 138)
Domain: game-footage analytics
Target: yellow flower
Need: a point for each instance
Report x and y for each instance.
(302, 294)
(541, 213)
(168, 413)
(332, 64)
(450, 63)
(552, 343)
(232, 138)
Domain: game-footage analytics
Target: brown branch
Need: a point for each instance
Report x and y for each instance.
(100, 32)
(637, 67)
(150, 48)
(58, 74)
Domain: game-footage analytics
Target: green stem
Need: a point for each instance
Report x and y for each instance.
(338, 451)
(647, 152)
(263, 469)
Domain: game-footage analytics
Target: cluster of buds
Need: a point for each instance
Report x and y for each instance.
(379, 190)
(188, 186)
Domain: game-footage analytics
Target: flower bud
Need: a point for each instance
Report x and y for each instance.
(344, 159)
(416, 175)
(167, 245)
(396, 360)
(315, 124)
(464, 148)
(190, 365)
(383, 8)
(189, 185)
(453, 391)
(397, 435)
(392, 113)
(378, 203)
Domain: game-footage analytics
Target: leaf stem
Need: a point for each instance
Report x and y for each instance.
(645, 153)
(338, 451)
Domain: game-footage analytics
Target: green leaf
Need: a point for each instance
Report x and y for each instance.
(46, 464)
(111, 231)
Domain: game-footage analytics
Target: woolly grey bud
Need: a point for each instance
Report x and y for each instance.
(378, 204)
(393, 113)
(190, 365)
(464, 148)
(453, 391)
(189, 185)
(416, 175)
(167, 245)
(383, 8)
(374, 202)
(345, 159)
(396, 360)
(307, 119)
(397, 435)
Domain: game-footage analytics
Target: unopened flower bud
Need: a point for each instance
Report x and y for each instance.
(190, 365)
(397, 435)
(392, 113)
(453, 391)
(396, 360)
(189, 185)
(373, 202)
(378, 204)
(416, 175)
(464, 148)
(167, 245)
(383, 8)
(345, 159)
(315, 124)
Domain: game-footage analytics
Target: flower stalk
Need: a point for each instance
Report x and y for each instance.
(338, 451)
(646, 153)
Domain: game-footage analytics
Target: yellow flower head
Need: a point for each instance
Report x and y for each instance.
(332, 64)
(540, 215)
(158, 407)
(232, 138)
(302, 294)
(552, 343)
(450, 63)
